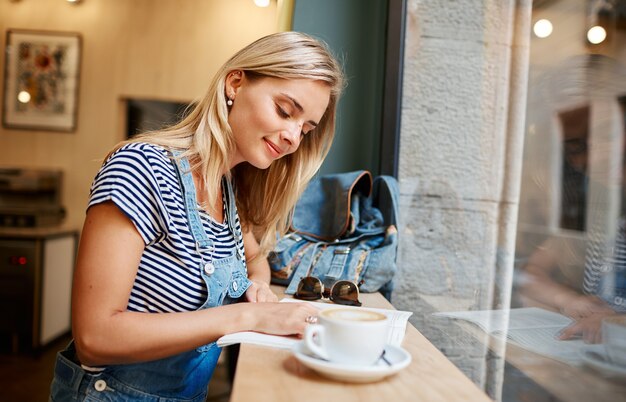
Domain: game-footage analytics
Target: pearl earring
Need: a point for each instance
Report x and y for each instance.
(229, 102)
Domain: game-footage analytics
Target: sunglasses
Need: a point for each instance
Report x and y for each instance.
(341, 292)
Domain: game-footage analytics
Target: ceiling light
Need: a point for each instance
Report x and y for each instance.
(262, 3)
(596, 34)
(542, 28)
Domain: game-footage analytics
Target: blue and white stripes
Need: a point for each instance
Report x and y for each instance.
(142, 181)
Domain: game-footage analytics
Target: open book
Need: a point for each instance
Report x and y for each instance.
(397, 328)
(531, 328)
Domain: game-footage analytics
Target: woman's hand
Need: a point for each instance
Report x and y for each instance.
(258, 272)
(282, 318)
(589, 328)
(581, 306)
(260, 292)
(588, 312)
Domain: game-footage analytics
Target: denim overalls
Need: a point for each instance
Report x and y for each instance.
(183, 377)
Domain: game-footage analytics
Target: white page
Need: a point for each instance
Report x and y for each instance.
(531, 328)
(397, 328)
(488, 320)
(500, 320)
(544, 342)
(257, 338)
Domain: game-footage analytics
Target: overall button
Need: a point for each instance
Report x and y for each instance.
(209, 268)
(235, 286)
(100, 385)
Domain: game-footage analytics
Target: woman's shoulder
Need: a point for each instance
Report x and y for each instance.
(142, 149)
(139, 162)
(141, 154)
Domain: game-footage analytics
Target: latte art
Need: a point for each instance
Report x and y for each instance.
(353, 315)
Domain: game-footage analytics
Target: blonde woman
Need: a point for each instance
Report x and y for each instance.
(170, 237)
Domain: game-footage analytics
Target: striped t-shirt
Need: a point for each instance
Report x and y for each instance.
(142, 181)
(605, 275)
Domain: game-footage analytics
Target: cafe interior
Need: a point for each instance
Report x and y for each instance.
(503, 121)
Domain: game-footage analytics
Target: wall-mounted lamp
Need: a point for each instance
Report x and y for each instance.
(542, 28)
(74, 1)
(262, 3)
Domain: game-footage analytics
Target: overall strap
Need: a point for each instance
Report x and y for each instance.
(189, 195)
(231, 211)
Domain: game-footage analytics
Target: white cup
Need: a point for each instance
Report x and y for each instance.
(348, 336)
(614, 338)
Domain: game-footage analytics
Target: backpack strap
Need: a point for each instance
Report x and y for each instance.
(386, 198)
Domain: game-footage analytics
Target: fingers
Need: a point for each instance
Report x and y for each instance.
(306, 314)
(592, 335)
(585, 306)
(260, 292)
(251, 293)
(589, 329)
(284, 318)
(265, 295)
(570, 332)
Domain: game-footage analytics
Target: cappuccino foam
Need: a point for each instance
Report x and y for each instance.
(353, 315)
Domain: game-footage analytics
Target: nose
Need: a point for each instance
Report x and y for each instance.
(291, 136)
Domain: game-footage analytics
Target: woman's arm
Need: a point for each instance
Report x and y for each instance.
(106, 333)
(539, 286)
(258, 271)
(587, 310)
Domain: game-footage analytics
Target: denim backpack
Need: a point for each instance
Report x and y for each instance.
(344, 227)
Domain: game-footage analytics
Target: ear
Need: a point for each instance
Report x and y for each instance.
(233, 82)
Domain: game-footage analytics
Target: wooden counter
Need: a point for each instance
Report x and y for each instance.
(272, 375)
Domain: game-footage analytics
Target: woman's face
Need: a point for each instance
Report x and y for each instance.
(270, 116)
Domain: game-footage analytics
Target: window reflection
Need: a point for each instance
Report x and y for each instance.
(574, 267)
(571, 239)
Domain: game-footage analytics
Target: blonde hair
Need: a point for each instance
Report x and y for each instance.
(265, 198)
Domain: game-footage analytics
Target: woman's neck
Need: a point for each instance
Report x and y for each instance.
(214, 208)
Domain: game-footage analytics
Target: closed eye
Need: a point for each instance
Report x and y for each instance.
(281, 112)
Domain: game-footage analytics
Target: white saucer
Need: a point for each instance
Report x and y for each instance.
(396, 356)
(595, 357)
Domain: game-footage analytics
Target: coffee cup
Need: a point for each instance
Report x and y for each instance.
(348, 336)
(614, 338)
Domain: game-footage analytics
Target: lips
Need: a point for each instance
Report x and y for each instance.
(275, 151)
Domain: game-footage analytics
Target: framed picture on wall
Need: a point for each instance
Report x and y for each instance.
(41, 79)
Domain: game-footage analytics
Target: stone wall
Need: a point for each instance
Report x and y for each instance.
(464, 95)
